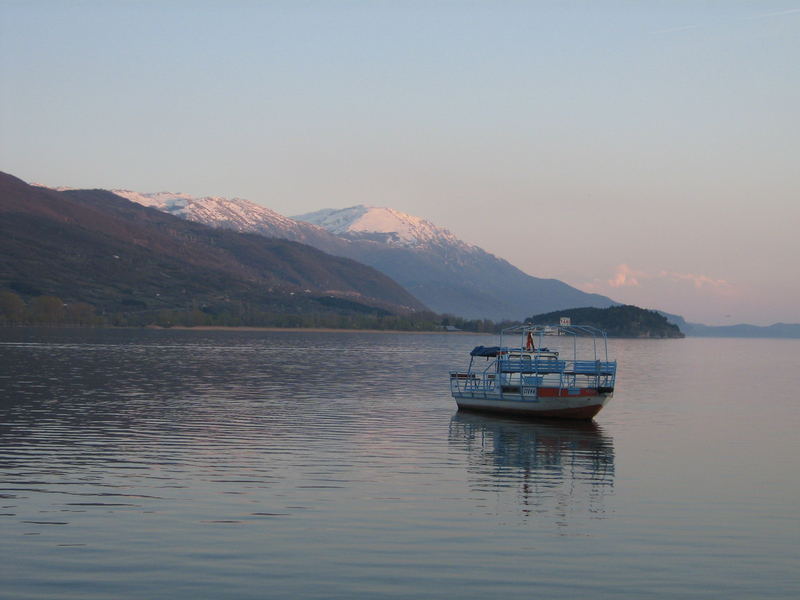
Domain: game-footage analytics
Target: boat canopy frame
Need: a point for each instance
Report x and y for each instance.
(528, 331)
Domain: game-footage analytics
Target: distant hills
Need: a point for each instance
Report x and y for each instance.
(742, 330)
(617, 321)
(443, 272)
(96, 247)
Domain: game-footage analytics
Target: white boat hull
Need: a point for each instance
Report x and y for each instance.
(564, 407)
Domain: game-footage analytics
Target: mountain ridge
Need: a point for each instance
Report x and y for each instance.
(445, 273)
(95, 246)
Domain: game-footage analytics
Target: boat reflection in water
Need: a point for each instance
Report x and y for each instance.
(560, 468)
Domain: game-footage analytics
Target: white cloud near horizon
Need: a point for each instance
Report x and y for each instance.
(626, 276)
(674, 291)
(699, 281)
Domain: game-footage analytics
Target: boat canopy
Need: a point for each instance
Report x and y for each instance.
(490, 351)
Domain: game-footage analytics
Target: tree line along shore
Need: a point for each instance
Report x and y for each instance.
(49, 310)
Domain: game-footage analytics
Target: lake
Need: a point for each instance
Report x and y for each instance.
(140, 464)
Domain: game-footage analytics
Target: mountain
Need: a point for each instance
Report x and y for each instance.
(742, 330)
(96, 247)
(385, 225)
(617, 321)
(239, 215)
(445, 273)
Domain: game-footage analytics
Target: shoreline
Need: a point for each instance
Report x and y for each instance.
(298, 329)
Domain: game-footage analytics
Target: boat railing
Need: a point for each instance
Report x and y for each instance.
(544, 372)
(467, 382)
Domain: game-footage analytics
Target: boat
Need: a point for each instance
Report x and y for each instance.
(535, 381)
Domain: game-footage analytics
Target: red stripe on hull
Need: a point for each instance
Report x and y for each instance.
(545, 392)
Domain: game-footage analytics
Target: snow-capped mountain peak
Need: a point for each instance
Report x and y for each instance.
(233, 213)
(392, 226)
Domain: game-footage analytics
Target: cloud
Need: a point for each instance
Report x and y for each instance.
(699, 281)
(700, 297)
(626, 277)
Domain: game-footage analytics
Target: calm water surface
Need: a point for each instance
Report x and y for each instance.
(188, 464)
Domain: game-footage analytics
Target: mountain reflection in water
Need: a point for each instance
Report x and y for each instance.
(556, 468)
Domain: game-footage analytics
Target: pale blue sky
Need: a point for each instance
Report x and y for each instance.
(645, 150)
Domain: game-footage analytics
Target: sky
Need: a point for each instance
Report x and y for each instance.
(644, 150)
